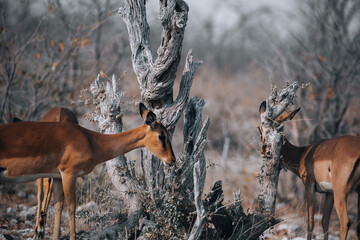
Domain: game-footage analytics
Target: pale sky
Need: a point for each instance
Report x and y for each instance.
(226, 12)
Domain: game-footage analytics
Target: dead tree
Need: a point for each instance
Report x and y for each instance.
(156, 78)
(167, 203)
(276, 104)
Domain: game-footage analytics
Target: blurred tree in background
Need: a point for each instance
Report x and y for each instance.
(326, 55)
(49, 50)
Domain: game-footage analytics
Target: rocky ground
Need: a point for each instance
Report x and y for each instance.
(18, 223)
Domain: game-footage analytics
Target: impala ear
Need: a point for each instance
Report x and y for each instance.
(15, 120)
(262, 107)
(146, 114)
(287, 116)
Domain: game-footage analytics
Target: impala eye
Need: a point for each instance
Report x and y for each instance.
(162, 137)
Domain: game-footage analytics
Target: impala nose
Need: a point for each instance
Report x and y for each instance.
(171, 162)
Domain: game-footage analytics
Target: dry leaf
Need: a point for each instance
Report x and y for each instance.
(51, 8)
(330, 93)
(61, 47)
(76, 41)
(53, 66)
(312, 96)
(52, 43)
(102, 75)
(321, 58)
(37, 55)
(84, 42)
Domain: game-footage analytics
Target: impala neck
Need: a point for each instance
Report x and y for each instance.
(291, 156)
(114, 145)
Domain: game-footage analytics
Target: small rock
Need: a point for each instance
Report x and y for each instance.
(13, 222)
(9, 210)
(22, 194)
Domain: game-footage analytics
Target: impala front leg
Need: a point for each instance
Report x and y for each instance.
(328, 205)
(69, 181)
(58, 205)
(310, 195)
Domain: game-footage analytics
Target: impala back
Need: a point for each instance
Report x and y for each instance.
(29, 150)
(339, 157)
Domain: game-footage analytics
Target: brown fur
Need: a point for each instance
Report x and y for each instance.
(45, 186)
(29, 150)
(329, 166)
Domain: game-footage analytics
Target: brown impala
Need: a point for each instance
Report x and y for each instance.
(45, 185)
(329, 166)
(64, 150)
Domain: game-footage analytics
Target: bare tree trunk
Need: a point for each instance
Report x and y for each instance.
(170, 197)
(276, 104)
(156, 78)
(107, 100)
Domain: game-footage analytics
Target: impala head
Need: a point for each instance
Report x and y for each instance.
(279, 120)
(157, 137)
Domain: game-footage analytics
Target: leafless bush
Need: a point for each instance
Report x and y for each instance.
(326, 55)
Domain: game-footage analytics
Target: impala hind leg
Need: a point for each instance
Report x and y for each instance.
(341, 210)
(58, 205)
(310, 197)
(70, 197)
(45, 189)
(328, 205)
(37, 229)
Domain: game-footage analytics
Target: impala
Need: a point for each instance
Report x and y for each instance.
(65, 151)
(45, 185)
(330, 166)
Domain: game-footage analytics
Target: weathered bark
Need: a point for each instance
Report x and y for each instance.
(107, 101)
(200, 210)
(156, 76)
(276, 104)
(165, 192)
(170, 197)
